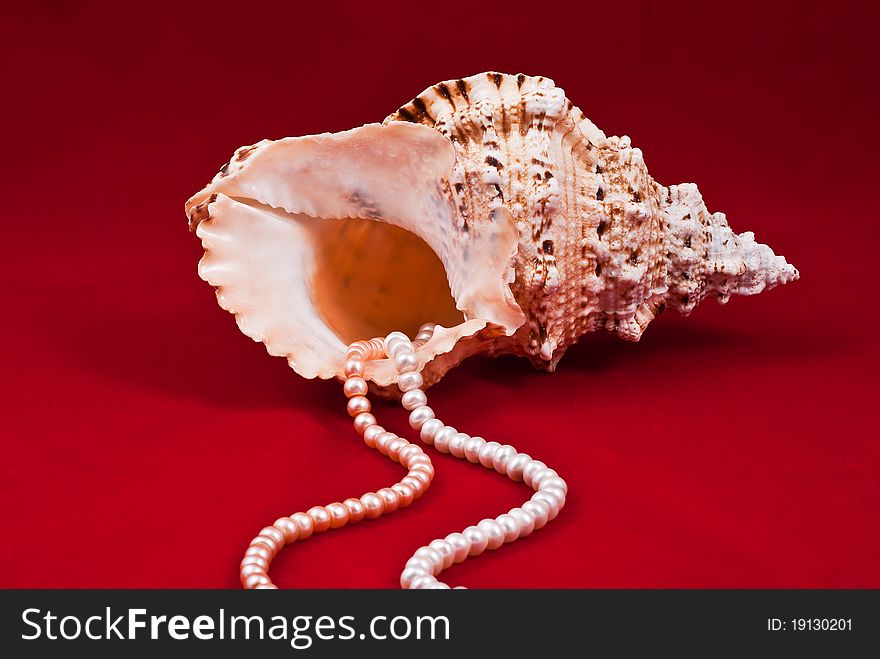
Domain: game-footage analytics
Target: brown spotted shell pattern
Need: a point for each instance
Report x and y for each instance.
(490, 205)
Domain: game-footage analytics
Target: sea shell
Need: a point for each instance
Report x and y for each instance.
(489, 205)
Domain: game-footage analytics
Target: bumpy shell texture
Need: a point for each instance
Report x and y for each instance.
(489, 205)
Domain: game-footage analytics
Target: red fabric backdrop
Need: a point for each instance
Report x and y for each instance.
(145, 440)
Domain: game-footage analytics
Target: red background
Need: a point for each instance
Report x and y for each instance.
(145, 440)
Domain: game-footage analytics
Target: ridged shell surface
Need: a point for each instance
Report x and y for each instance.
(601, 245)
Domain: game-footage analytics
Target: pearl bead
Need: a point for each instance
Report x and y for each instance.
(422, 564)
(456, 444)
(405, 362)
(276, 534)
(446, 550)
(423, 582)
(356, 510)
(405, 494)
(373, 504)
(288, 528)
(478, 540)
(260, 562)
(394, 446)
(502, 455)
(320, 517)
(353, 367)
(516, 464)
(255, 581)
(419, 415)
(510, 525)
(487, 453)
(525, 520)
(417, 486)
(259, 551)
(409, 452)
(248, 570)
(494, 533)
(266, 586)
(413, 399)
(389, 498)
(383, 441)
(392, 338)
(421, 467)
(427, 328)
(429, 430)
(531, 469)
(461, 544)
(556, 492)
(370, 435)
(305, 523)
(270, 543)
(554, 481)
(472, 449)
(417, 461)
(401, 348)
(267, 542)
(441, 439)
(539, 477)
(363, 421)
(420, 475)
(355, 387)
(338, 515)
(420, 461)
(358, 405)
(434, 557)
(408, 575)
(419, 458)
(409, 381)
(534, 477)
(554, 503)
(539, 510)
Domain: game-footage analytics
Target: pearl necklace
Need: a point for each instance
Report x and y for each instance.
(427, 562)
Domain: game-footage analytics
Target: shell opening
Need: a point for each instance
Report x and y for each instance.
(371, 278)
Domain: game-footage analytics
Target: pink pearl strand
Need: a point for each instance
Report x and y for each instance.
(299, 526)
(550, 490)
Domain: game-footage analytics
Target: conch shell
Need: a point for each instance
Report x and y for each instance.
(489, 205)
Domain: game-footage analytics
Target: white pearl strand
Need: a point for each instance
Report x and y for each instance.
(430, 560)
(550, 490)
(299, 526)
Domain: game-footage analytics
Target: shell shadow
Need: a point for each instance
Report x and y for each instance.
(680, 338)
(186, 347)
(187, 350)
